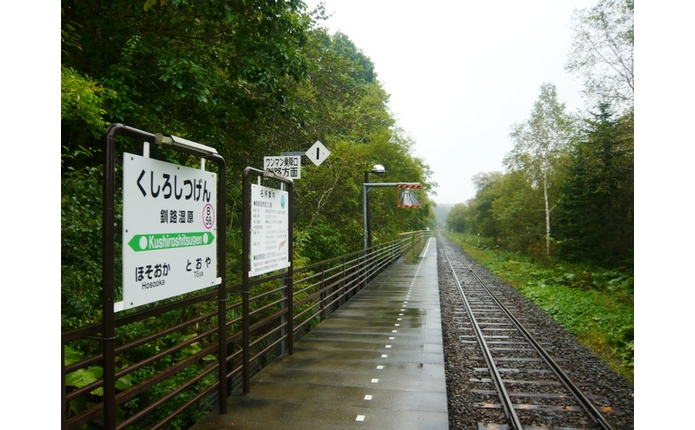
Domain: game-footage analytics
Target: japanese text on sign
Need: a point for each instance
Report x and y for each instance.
(286, 165)
(169, 230)
(269, 230)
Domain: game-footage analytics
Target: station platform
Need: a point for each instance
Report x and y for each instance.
(375, 363)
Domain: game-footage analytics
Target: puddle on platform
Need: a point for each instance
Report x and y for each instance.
(415, 317)
(411, 260)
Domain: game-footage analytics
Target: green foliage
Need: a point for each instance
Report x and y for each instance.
(595, 217)
(84, 377)
(456, 219)
(81, 101)
(481, 220)
(198, 70)
(81, 249)
(539, 145)
(518, 214)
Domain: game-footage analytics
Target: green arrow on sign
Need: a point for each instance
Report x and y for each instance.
(155, 242)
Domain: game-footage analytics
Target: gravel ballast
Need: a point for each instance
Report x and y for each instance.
(596, 377)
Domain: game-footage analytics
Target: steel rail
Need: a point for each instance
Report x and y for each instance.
(587, 404)
(505, 400)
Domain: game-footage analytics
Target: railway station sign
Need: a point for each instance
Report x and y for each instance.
(285, 165)
(169, 230)
(269, 230)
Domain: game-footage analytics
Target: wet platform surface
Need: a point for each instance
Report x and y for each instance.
(375, 363)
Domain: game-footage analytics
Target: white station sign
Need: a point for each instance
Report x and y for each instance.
(285, 165)
(269, 230)
(169, 230)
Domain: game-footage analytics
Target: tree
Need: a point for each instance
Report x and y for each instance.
(595, 220)
(200, 70)
(538, 144)
(345, 107)
(456, 219)
(516, 209)
(603, 51)
(479, 214)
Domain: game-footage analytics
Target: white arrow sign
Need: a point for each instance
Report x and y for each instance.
(318, 153)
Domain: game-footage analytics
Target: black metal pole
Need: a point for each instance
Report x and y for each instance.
(367, 223)
(290, 284)
(222, 289)
(246, 266)
(107, 266)
(108, 316)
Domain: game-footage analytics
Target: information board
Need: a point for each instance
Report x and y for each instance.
(269, 230)
(169, 230)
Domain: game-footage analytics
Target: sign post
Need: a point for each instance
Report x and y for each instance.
(266, 247)
(161, 185)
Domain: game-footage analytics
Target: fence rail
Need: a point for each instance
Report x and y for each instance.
(167, 355)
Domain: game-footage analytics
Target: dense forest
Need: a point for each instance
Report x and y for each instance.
(567, 193)
(250, 78)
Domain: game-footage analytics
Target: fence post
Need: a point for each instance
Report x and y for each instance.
(246, 267)
(323, 292)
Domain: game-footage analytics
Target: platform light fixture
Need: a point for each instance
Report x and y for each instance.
(184, 145)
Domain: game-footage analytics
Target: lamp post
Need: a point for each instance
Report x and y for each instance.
(367, 233)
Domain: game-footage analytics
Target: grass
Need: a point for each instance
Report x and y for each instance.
(596, 305)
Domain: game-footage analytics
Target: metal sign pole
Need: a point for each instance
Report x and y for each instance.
(108, 280)
(245, 268)
(222, 288)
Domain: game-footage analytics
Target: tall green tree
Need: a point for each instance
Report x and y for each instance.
(479, 214)
(539, 143)
(515, 211)
(456, 218)
(595, 220)
(345, 107)
(201, 70)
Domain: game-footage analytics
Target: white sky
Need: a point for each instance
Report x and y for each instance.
(461, 73)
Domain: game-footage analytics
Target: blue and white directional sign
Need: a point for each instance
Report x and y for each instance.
(169, 230)
(269, 230)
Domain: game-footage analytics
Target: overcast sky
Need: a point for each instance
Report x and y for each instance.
(461, 73)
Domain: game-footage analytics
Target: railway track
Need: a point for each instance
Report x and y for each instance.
(515, 381)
